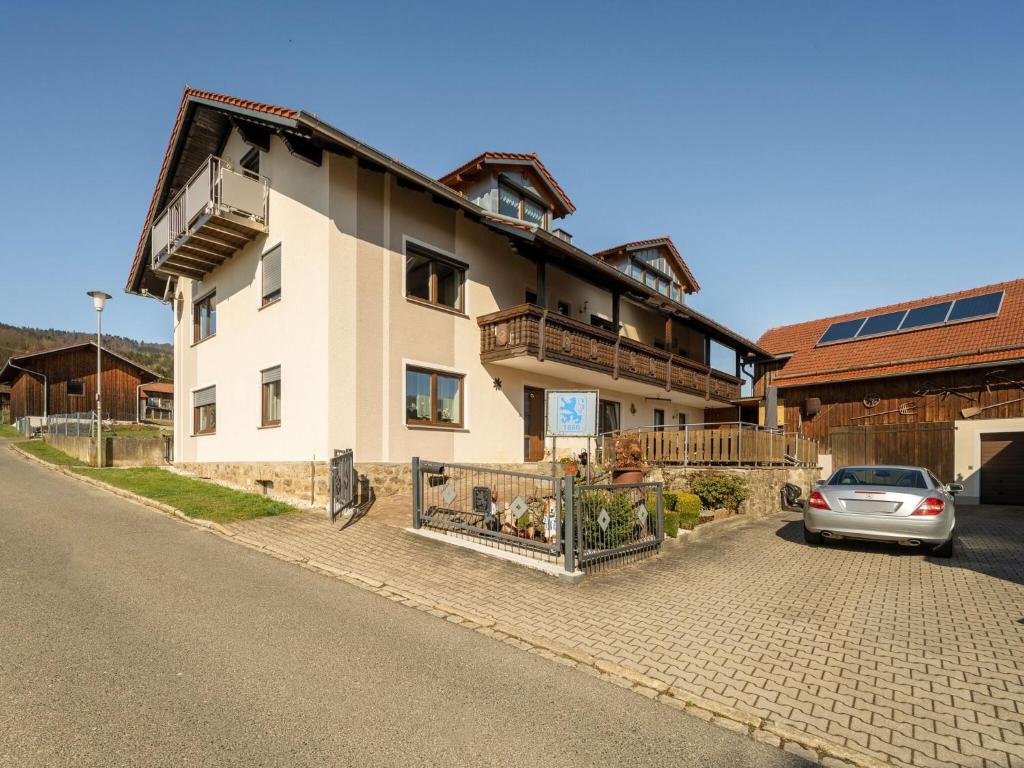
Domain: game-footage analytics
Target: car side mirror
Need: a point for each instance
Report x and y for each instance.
(820, 482)
(955, 488)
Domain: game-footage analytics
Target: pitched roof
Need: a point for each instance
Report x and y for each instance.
(526, 158)
(163, 387)
(15, 362)
(974, 342)
(656, 242)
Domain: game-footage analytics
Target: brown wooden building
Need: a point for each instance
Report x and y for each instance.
(63, 380)
(937, 382)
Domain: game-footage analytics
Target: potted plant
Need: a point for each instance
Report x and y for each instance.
(570, 465)
(628, 463)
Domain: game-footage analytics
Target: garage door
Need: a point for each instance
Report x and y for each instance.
(1002, 468)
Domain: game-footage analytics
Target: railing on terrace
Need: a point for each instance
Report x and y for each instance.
(736, 444)
(529, 330)
(80, 424)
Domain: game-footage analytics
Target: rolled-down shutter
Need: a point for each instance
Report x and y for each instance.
(272, 272)
(271, 374)
(207, 396)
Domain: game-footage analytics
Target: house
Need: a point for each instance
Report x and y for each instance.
(936, 381)
(5, 403)
(63, 380)
(156, 401)
(326, 296)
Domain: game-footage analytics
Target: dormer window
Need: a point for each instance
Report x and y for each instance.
(513, 203)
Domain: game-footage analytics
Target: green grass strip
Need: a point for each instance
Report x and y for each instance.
(8, 430)
(49, 454)
(196, 498)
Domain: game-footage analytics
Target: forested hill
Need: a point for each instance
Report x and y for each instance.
(15, 340)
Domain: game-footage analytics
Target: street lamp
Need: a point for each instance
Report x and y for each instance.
(99, 298)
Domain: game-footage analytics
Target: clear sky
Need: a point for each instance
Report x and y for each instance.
(807, 157)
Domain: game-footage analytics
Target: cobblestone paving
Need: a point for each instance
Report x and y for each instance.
(912, 660)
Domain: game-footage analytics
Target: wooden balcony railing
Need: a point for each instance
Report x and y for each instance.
(528, 330)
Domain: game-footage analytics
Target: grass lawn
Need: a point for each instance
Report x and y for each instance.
(196, 498)
(8, 430)
(134, 430)
(47, 452)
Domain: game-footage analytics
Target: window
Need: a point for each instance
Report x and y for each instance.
(565, 308)
(204, 411)
(433, 398)
(516, 205)
(270, 397)
(250, 162)
(885, 476)
(271, 276)
(434, 279)
(681, 420)
(204, 317)
(659, 420)
(76, 387)
(608, 417)
(654, 272)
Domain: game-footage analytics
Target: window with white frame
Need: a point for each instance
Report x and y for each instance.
(515, 204)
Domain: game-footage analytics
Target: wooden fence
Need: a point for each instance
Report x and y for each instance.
(929, 445)
(727, 444)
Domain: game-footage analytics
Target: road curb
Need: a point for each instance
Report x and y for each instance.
(730, 718)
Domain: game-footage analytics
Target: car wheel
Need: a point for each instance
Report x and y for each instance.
(811, 537)
(945, 549)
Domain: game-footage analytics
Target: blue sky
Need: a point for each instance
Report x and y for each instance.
(808, 158)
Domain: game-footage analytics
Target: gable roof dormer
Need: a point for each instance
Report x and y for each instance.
(524, 172)
(653, 261)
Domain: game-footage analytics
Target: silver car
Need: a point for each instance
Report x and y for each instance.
(902, 505)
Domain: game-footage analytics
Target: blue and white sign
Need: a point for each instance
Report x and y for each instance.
(570, 413)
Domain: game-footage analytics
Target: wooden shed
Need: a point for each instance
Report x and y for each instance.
(63, 380)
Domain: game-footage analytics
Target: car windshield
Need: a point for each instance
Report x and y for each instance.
(886, 476)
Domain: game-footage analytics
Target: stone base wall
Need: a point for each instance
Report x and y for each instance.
(763, 483)
(308, 482)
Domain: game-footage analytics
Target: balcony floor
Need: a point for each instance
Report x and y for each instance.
(212, 239)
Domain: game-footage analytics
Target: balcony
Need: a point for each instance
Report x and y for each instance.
(217, 212)
(528, 331)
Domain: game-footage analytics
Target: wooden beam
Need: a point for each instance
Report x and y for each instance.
(542, 283)
(668, 333)
(616, 297)
(252, 134)
(302, 149)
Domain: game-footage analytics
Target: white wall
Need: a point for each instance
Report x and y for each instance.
(967, 451)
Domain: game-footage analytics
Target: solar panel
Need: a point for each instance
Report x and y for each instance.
(886, 323)
(930, 314)
(846, 329)
(976, 306)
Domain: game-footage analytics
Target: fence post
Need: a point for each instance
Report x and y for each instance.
(661, 513)
(417, 492)
(569, 515)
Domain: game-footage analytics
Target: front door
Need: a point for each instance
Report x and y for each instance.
(533, 423)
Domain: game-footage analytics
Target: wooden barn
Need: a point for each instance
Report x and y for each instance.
(63, 380)
(936, 382)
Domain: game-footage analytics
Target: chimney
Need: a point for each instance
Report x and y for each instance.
(561, 233)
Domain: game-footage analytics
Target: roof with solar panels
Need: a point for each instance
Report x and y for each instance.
(965, 329)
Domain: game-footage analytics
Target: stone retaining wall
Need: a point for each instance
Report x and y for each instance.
(763, 483)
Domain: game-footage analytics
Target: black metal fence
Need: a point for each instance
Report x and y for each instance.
(343, 482)
(580, 525)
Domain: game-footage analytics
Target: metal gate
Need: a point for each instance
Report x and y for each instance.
(616, 521)
(343, 483)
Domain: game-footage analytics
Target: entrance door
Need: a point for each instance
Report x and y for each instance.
(533, 424)
(1002, 468)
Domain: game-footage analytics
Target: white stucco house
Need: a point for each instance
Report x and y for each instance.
(325, 296)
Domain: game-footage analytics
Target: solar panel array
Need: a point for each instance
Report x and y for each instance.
(926, 316)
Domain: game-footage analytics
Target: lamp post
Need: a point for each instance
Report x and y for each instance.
(99, 298)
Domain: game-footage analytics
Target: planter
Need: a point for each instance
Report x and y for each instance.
(570, 468)
(628, 475)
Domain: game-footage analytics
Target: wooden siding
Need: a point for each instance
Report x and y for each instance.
(917, 445)
(765, 374)
(120, 380)
(936, 397)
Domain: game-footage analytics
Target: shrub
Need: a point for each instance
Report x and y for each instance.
(621, 510)
(671, 523)
(718, 490)
(681, 510)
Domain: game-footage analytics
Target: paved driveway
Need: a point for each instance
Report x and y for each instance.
(912, 660)
(130, 639)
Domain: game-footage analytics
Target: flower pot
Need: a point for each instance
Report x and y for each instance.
(569, 469)
(628, 475)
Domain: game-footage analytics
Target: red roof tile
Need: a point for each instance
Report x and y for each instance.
(990, 340)
(653, 243)
(530, 158)
(194, 93)
(164, 387)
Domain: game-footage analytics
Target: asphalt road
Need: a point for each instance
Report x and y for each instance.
(130, 639)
